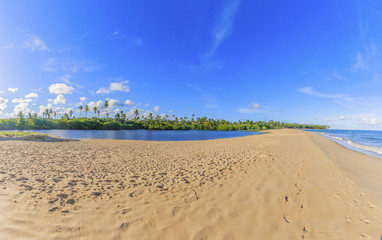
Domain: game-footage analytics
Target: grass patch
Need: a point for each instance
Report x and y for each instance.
(21, 134)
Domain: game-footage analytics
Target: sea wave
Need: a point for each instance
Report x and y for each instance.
(371, 150)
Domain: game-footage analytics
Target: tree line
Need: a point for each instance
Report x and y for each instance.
(51, 120)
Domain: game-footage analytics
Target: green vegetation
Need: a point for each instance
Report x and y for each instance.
(20, 134)
(50, 120)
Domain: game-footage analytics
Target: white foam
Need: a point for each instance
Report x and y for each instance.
(364, 147)
(370, 150)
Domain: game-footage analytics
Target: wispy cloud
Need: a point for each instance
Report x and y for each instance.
(69, 65)
(310, 91)
(34, 42)
(224, 25)
(363, 60)
(9, 46)
(222, 29)
(83, 36)
(253, 108)
(193, 87)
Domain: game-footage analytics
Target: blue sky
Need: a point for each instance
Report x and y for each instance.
(296, 61)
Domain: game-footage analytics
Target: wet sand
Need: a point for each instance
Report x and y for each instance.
(287, 184)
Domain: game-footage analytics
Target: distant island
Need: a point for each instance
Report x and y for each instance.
(50, 120)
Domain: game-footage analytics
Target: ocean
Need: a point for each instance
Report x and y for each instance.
(365, 141)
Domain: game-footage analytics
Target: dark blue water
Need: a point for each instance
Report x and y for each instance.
(150, 135)
(366, 141)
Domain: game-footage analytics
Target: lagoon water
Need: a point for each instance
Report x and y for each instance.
(365, 141)
(150, 135)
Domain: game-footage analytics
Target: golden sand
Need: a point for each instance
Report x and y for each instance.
(287, 184)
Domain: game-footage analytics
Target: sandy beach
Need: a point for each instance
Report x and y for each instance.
(286, 184)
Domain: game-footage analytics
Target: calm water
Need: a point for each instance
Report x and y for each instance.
(150, 135)
(369, 142)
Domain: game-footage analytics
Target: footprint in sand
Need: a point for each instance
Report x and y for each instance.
(124, 226)
(364, 235)
(126, 210)
(348, 219)
(370, 205)
(307, 229)
(175, 210)
(364, 219)
(287, 218)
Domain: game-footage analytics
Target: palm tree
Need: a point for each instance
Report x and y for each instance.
(95, 111)
(80, 109)
(51, 112)
(20, 114)
(47, 113)
(55, 115)
(123, 115)
(86, 110)
(106, 104)
(98, 112)
(70, 113)
(136, 113)
(117, 116)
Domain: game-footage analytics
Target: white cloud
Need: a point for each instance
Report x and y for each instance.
(170, 111)
(60, 88)
(66, 78)
(103, 91)
(60, 99)
(31, 95)
(193, 87)
(137, 42)
(115, 33)
(254, 107)
(371, 121)
(9, 46)
(69, 65)
(146, 105)
(35, 43)
(99, 104)
(329, 120)
(342, 117)
(310, 91)
(20, 100)
(114, 103)
(21, 107)
(1, 91)
(42, 108)
(3, 104)
(363, 61)
(119, 86)
(156, 109)
(129, 102)
(83, 99)
(13, 89)
(115, 86)
(224, 26)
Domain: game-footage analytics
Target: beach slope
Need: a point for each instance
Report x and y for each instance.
(285, 184)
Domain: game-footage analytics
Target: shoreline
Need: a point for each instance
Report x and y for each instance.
(355, 146)
(287, 184)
